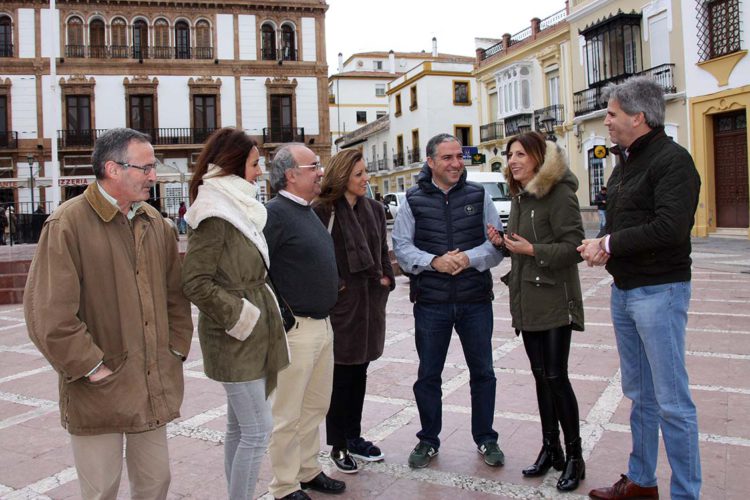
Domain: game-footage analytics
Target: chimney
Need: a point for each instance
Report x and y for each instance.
(341, 62)
(434, 47)
(392, 62)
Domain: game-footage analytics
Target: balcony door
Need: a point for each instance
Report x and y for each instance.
(182, 40)
(142, 113)
(730, 164)
(97, 43)
(140, 40)
(78, 114)
(4, 135)
(281, 118)
(204, 116)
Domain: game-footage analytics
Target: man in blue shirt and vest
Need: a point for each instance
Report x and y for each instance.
(440, 241)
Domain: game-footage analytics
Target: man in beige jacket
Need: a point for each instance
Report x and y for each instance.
(103, 303)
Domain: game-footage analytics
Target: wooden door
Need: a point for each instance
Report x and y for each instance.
(730, 160)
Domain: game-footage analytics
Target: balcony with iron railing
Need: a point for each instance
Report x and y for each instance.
(288, 54)
(274, 135)
(138, 52)
(382, 164)
(414, 156)
(398, 160)
(268, 54)
(530, 32)
(551, 115)
(589, 100)
(372, 166)
(491, 131)
(85, 138)
(6, 49)
(517, 124)
(8, 139)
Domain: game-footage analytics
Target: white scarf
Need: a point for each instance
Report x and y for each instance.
(233, 199)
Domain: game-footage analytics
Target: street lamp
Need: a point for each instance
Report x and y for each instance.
(548, 127)
(30, 159)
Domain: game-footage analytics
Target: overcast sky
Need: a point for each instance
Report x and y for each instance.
(409, 25)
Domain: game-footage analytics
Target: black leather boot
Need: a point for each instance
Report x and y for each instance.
(551, 455)
(575, 467)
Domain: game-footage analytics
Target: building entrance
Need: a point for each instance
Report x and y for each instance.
(730, 160)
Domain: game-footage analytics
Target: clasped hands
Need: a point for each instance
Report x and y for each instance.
(452, 262)
(592, 251)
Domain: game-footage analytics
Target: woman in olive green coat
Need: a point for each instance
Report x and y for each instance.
(544, 230)
(224, 274)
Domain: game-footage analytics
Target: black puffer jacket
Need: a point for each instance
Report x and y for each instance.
(651, 200)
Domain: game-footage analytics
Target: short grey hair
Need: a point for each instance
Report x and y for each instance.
(636, 95)
(113, 145)
(283, 160)
(433, 143)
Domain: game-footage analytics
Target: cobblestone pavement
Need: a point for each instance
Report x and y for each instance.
(36, 462)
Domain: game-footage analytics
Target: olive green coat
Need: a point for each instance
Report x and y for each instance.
(221, 267)
(545, 290)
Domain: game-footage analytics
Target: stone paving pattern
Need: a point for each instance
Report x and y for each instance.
(36, 461)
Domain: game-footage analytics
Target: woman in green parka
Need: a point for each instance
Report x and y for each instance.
(544, 230)
(224, 274)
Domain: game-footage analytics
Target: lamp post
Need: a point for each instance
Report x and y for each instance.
(548, 124)
(30, 159)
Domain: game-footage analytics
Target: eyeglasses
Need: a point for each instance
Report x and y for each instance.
(145, 168)
(316, 166)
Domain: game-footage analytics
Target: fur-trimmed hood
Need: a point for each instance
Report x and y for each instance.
(553, 171)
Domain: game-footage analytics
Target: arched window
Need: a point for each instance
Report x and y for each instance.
(140, 39)
(6, 37)
(182, 40)
(288, 47)
(161, 48)
(74, 47)
(97, 44)
(119, 38)
(203, 40)
(268, 42)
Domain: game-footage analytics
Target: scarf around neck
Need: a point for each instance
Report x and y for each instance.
(361, 243)
(233, 199)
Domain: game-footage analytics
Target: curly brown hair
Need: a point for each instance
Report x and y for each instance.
(336, 176)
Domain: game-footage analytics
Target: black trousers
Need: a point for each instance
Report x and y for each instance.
(344, 418)
(548, 354)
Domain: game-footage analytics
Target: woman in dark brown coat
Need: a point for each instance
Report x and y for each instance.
(357, 225)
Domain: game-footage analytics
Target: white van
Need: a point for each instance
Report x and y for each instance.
(495, 185)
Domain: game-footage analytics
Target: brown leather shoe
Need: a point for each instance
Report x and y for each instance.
(624, 488)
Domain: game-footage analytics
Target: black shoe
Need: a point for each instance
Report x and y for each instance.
(551, 455)
(575, 467)
(296, 495)
(324, 484)
(364, 450)
(343, 461)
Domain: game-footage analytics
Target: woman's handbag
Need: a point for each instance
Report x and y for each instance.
(287, 315)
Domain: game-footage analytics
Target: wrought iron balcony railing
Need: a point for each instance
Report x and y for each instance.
(268, 53)
(414, 156)
(555, 112)
(398, 160)
(8, 139)
(383, 164)
(159, 136)
(288, 54)
(98, 51)
(372, 166)
(283, 134)
(590, 99)
(204, 52)
(6, 50)
(75, 51)
(491, 131)
(517, 124)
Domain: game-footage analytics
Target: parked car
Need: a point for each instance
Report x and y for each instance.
(392, 201)
(494, 184)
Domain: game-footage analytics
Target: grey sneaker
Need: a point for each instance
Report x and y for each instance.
(492, 453)
(420, 457)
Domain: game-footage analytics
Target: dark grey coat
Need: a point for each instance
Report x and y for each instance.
(545, 291)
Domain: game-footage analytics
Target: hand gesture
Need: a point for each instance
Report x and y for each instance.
(517, 244)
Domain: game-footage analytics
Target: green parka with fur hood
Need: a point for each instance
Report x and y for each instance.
(545, 291)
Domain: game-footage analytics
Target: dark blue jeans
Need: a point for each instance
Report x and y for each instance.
(434, 324)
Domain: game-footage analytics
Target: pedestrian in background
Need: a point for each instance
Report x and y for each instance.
(224, 274)
(601, 203)
(652, 198)
(544, 230)
(440, 240)
(303, 270)
(181, 223)
(357, 225)
(103, 304)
